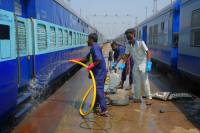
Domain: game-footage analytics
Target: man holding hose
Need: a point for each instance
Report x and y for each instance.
(98, 67)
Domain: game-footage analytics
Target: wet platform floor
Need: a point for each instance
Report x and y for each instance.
(60, 112)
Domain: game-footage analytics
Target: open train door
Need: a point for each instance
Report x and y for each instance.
(144, 35)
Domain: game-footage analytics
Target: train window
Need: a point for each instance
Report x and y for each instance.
(70, 38)
(60, 38)
(74, 38)
(140, 34)
(52, 37)
(166, 32)
(5, 32)
(195, 28)
(21, 36)
(66, 37)
(150, 34)
(41, 37)
(82, 39)
(78, 38)
(155, 34)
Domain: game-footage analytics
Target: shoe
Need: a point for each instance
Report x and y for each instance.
(135, 101)
(105, 114)
(149, 102)
(128, 88)
(119, 87)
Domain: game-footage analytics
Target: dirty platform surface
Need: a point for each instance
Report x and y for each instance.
(60, 112)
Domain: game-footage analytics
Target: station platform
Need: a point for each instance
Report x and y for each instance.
(60, 112)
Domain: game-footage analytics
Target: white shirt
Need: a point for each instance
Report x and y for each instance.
(138, 51)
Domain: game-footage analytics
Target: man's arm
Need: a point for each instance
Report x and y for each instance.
(125, 59)
(118, 59)
(83, 59)
(97, 62)
(148, 55)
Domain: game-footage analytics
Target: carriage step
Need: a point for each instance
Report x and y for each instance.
(23, 98)
(23, 110)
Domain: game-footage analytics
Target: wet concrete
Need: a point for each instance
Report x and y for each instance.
(60, 113)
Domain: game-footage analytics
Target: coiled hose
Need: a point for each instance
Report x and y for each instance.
(94, 90)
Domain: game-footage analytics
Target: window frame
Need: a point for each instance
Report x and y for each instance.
(66, 31)
(193, 30)
(155, 34)
(166, 33)
(62, 38)
(150, 35)
(75, 41)
(46, 37)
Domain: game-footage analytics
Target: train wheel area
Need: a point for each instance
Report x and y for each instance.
(60, 112)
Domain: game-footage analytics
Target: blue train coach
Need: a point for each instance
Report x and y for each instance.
(172, 36)
(35, 37)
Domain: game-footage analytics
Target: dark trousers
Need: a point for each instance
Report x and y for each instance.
(130, 76)
(99, 94)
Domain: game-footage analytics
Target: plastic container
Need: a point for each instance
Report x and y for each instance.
(114, 80)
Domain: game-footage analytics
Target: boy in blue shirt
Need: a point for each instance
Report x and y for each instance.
(98, 67)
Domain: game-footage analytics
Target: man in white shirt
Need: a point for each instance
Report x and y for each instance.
(142, 65)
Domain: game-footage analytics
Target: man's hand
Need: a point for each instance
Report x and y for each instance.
(74, 60)
(122, 67)
(90, 67)
(115, 64)
(149, 64)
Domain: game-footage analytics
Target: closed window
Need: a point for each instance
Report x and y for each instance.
(150, 34)
(74, 38)
(21, 36)
(82, 39)
(60, 38)
(155, 34)
(78, 38)
(166, 32)
(52, 37)
(140, 35)
(195, 28)
(66, 37)
(41, 37)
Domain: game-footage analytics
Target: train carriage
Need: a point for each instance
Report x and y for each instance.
(189, 40)
(172, 36)
(36, 37)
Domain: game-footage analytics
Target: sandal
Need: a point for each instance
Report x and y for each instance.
(149, 102)
(128, 88)
(100, 114)
(135, 101)
(119, 87)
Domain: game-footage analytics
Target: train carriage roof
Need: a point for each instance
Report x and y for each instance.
(67, 7)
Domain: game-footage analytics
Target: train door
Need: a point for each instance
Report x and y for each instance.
(25, 71)
(144, 35)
